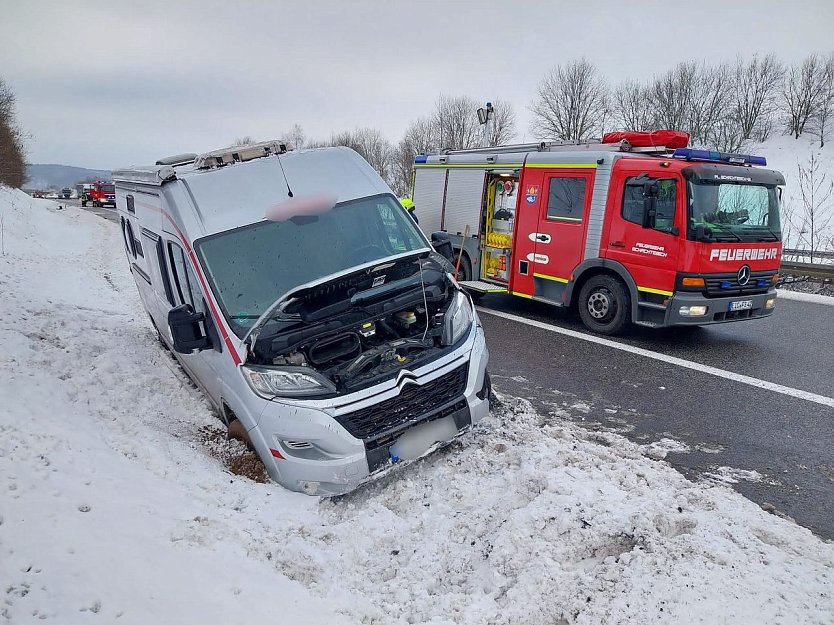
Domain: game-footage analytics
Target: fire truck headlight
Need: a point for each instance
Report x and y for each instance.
(771, 303)
(693, 311)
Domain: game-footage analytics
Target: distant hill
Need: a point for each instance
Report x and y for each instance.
(43, 177)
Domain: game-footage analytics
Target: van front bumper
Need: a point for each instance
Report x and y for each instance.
(718, 309)
(307, 446)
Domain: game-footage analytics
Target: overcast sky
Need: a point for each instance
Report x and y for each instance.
(111, 83)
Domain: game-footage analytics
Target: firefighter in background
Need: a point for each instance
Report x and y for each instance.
(409, 207)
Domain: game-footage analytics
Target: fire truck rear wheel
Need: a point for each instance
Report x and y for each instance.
(604, 305)
(465, 269)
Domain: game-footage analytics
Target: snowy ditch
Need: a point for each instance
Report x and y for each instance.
(114, 508)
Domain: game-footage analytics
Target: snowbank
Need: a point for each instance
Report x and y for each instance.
(113, 509)
(786, 154)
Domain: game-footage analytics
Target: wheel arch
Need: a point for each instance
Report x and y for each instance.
(599, 266)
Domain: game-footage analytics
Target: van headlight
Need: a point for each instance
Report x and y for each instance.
(457, 320)
(287, 382)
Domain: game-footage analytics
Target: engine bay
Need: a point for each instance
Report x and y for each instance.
(359, 330)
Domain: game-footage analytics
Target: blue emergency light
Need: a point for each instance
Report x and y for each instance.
(420, 158)
(691, 154)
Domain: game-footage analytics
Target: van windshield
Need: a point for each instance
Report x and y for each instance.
(250, 267)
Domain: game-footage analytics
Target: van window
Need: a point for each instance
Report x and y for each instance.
(566, 198)
(186, 289)
(252, 266)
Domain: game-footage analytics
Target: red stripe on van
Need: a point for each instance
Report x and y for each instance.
(198, 270)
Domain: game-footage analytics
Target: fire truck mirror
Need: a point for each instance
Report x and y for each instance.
(651, 189)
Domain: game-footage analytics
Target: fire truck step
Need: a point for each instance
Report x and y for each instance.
(482, 287)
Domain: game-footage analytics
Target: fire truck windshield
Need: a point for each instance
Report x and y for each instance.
(108, 188)
(733, 211)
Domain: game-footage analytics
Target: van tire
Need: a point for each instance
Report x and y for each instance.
(604, 305)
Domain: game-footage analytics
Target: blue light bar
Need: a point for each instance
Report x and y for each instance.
(420, 158)
(691, 154)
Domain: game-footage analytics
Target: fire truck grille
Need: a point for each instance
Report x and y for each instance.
(726, 284)
(414, 403)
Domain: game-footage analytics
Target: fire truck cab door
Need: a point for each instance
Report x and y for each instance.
(551, 229)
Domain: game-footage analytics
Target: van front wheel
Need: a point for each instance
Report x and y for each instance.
(604, 305)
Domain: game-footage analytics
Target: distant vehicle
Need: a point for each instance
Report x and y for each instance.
(325, 328)
(101, 194)
(66, 193)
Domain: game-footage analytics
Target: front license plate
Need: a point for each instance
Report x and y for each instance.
(742, 305)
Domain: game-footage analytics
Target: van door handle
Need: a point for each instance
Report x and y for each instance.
(542, 237)
(617, 244)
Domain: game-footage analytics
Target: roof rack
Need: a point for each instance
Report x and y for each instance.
(238, 154)
(563, 146)
(179, 159)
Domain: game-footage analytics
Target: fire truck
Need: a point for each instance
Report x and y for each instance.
(636, 227)
(101, 194)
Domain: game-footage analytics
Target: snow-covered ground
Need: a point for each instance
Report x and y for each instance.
(112, 510)
(786, 154)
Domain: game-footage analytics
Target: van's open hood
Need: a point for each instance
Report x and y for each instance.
(375, 267)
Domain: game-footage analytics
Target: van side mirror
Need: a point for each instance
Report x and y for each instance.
(442, 244)
(186, 331)
(651, 190)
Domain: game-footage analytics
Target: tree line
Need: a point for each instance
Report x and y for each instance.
(12, 149)
(723, 106)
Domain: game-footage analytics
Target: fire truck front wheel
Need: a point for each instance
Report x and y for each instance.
(604, 305)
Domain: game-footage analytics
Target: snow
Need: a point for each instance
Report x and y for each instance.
(811, 298)
(113, 510)
(786, 154)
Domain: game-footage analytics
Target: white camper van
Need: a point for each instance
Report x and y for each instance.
(304, 301)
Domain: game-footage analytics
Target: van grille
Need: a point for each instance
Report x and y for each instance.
(414, 403)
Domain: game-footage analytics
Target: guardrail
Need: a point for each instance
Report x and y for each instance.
(807, 253)
(811, 270)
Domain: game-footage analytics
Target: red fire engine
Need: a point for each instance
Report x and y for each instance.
(635, 228)
(102, 194)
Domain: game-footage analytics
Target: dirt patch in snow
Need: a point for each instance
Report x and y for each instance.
(234, 454)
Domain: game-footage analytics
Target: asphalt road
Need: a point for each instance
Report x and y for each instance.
(106, 212)
(789, 441)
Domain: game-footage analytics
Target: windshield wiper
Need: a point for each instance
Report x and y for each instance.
(728, 231)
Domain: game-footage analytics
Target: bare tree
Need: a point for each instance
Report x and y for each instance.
(294, 138)
(12, 147)
(694, 98)
(571, 102)
(456, 122)
(502, 130)
(825, 105)
(756, 87)
(670, 94)
(241, 141)
(371, 144)
(631, 106)
(420, 138)
(801, 93)
(816, 192)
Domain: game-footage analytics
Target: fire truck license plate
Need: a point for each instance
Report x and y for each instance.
(742, 305)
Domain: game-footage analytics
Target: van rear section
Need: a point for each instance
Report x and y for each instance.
(628, 230)
(296, 292)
